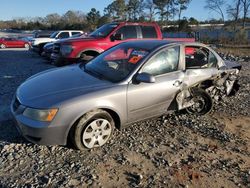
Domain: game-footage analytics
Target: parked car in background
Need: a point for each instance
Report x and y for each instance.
(71, 51)
(48, 48)
(108, 35)
(13, 43)
(38, 43)
(27, 39)
(130, 82)
(42, 34)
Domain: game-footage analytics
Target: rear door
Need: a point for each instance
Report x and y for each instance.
(200, 64)
(19, 43)
(151, 99)
(148, 32)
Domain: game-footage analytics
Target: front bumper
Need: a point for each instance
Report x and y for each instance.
(58, 60)
(37, 132)
(46, 55)
(34, 48)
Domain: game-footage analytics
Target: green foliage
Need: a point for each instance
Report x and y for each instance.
(93, 18)
(184, 25)
(193, 21)
(116, 10)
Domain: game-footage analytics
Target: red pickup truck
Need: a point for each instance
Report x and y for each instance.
(108, 35)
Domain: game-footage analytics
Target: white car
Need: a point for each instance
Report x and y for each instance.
(37, 44)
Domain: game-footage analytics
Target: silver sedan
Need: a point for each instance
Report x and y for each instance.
(130, 82)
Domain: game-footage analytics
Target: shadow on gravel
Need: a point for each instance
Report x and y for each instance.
(9, 132)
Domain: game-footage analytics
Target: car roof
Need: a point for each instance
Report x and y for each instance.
(133, 23)
(153, 44)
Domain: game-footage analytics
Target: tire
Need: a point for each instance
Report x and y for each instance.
(41, 49)
(2, 46)
(58, 63)
(203, 102)
(93, 130)
(26, 46)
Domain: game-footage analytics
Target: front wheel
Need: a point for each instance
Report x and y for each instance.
(2, 46)
(93, 130)
(202, 103)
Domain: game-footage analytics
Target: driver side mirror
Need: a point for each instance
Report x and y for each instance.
(117, 36)
(145, 78)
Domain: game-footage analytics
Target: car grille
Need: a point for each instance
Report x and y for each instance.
(56, 48)
(16, 104)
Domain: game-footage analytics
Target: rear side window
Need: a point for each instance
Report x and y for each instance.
(148, 32)
(75, 33)
(128, 32)
(63, 35)
(199, 57)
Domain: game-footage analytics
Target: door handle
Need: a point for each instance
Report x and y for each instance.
(177, 83)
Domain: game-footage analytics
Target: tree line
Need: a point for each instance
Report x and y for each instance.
(236, 10)
(165, 12)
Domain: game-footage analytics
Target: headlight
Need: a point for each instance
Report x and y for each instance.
(39, 114)
(66, 49)
(33, 42)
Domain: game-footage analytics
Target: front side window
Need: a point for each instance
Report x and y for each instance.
(164, 62)
(63, 35)
(128, 32)
(117, 63)
(199, 57)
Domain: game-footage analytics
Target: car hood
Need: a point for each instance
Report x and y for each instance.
(41, 40)
(80, 39)
(52, 87)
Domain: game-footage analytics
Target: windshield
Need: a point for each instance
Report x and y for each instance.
(104, 30)
(117, 63)
(53, 35)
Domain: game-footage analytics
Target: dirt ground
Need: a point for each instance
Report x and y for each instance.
(175, 150)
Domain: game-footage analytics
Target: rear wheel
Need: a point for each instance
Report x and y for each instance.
(202, 102)
(2, 46)
(26, 46)
(93, 130)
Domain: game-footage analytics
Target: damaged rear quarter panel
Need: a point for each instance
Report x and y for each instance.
(216, 82)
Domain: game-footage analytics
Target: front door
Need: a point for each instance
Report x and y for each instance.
(151, 99)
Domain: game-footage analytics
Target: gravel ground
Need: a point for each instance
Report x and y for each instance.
(176, 150)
